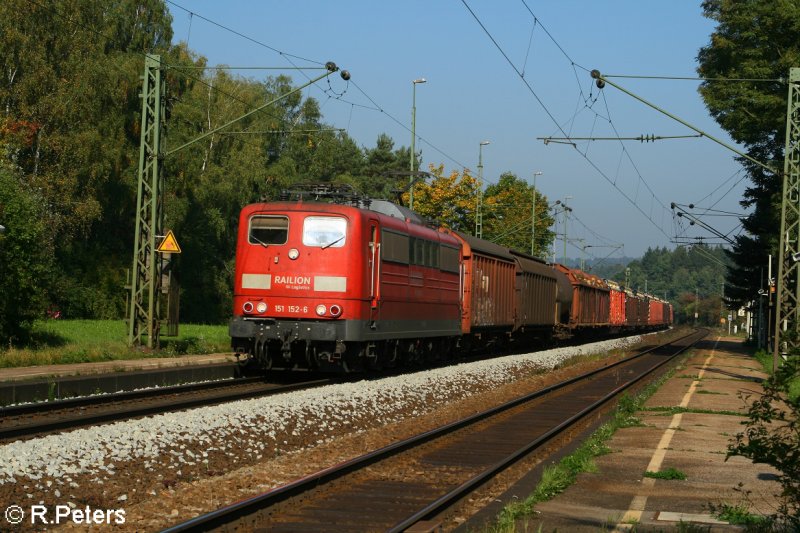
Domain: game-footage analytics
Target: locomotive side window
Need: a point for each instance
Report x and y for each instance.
(325, 232)
(423, 252)
(419, 252)
(395, 247)
(268, 230)
(449, 258)
(433, 254)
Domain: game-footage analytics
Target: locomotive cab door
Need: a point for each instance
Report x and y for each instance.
(374, 260)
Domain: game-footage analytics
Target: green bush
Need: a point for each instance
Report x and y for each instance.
(772, 436)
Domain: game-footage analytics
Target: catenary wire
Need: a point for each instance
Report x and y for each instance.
(376, 107)
(553, 119)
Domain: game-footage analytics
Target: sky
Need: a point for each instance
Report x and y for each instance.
(509, 72)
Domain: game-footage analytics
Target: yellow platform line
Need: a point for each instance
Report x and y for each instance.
(637, 506)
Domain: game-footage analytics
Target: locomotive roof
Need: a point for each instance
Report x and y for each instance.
(385, 207)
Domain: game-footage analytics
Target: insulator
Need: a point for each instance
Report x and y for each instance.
(331, 66)
(345, 75)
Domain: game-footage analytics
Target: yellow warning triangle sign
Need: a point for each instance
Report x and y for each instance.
(169, 244)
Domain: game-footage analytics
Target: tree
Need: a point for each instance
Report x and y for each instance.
(449, 200)
(681, 275)
(754, 39)
(25, 257)
(757, 39)
(69, 100)
(508, 211)
(385, 173)
(256, 158)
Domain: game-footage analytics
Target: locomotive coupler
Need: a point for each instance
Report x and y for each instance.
(286, 347)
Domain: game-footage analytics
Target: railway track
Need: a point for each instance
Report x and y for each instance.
(36, 419)
(418, 482)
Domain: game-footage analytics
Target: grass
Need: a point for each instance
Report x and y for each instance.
(739, 515)
(673, 410)
(556, 478)
(766, 364)
(82, 341)
(667, 473)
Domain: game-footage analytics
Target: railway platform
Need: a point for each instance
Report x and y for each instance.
(54, 382)
(107, 367)
(713, 388)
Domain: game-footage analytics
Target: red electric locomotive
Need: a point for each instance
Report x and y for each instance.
(331, 286)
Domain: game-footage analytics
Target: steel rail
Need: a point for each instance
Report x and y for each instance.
(252, 505)
(100, 399)
(444, 502)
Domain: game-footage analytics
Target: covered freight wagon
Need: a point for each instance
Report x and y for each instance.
(616, 316)
(637, 309)
(489, 285)
(537, 304)
(656, 316)
(590, 298)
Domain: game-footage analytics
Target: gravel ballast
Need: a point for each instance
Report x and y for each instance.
(128, 462)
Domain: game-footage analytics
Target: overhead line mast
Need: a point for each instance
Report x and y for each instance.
(145, 284)
(787, 316)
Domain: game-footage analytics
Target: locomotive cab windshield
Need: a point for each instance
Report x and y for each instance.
(324, 232)
(268, 229)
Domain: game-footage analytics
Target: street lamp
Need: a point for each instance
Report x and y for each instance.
(533, 213)
(479, 211)
(413, 157)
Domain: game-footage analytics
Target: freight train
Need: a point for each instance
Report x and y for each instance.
(359, 284)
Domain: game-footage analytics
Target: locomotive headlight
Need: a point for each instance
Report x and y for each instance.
(294, 253)
(247, 307)
(336, 310)
(321, 309)
(261, 307)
